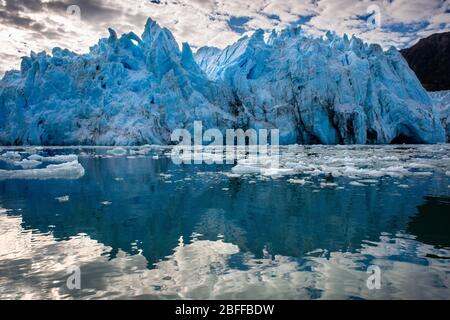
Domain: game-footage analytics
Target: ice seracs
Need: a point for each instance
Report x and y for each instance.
(126, 91)
(132, 90)
(331, 90)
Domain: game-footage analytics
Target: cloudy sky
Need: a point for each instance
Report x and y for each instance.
(38, 25)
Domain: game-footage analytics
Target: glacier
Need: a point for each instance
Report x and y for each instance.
(442, 101)
(132, 90)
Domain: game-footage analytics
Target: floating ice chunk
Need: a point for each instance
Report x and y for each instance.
(328, 184)
(144, 150)
(260, 166)
(357, 184)
(27, 164)
(232, 175)
(117, 151)
(390, 158)
(140, 151)
(395, 171)
(35, 157)
(336, 173)
(404, 186)
(243, 169)
(12, 155)
(447, 173)
(423, 173)
(276, 171)
(54, 159)
(62, 199)
(297, 181)
(31, 150)
(61, 158)
(419, 165)
(68, 170)
(106, 203)
(368, 181)
(225, 189)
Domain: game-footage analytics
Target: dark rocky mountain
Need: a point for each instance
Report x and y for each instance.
(430, 60)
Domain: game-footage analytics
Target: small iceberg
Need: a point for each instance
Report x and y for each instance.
(297, 181)
(357, 184)
(27, 164)
(245, 169)
(12, 155)
(117, 151)
(62, 199)
(54, 159)
(68, 170)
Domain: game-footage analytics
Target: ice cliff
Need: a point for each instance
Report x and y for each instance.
(442, 101)
(135, 90)
(127, 90)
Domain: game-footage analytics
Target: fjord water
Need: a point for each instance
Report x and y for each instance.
(139, 226)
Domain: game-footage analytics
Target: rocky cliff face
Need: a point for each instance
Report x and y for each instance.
(429, 59)
(136, 90)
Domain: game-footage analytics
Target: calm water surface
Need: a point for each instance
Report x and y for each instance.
(139, 226)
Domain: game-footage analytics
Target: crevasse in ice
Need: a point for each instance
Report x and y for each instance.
(133, 90)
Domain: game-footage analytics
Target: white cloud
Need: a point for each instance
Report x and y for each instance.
(206, 22)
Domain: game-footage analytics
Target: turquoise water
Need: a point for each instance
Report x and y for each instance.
(139, 226)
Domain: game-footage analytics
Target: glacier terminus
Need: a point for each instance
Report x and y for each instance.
(132, 90)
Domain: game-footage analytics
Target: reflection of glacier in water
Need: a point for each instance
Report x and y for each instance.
(34, 266)
(139, 226)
